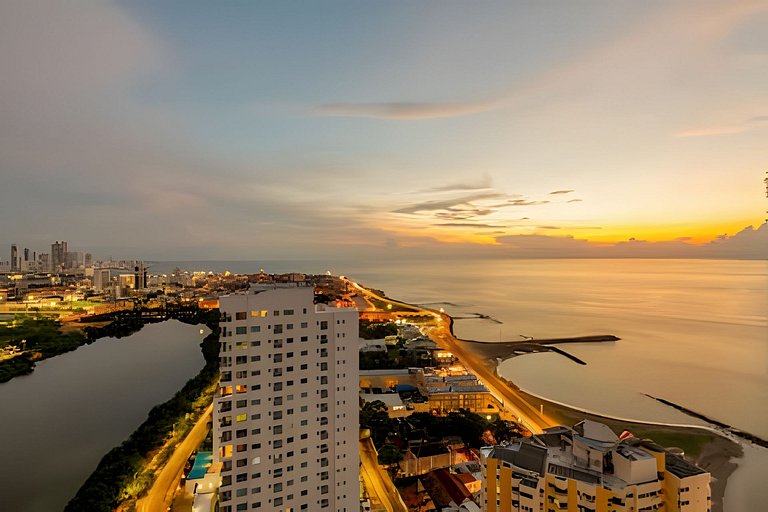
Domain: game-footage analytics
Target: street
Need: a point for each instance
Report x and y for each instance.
(160, 495)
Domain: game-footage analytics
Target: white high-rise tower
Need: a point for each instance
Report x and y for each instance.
(286, 415)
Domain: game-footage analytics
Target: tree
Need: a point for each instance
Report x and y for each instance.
(374, 416)
(390, 454)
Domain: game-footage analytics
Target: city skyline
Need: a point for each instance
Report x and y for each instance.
(179, 131)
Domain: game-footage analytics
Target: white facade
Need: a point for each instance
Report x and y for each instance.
(286, 415)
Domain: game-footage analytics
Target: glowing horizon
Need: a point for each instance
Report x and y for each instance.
(263, 129)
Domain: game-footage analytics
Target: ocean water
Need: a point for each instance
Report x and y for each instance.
(694, 332)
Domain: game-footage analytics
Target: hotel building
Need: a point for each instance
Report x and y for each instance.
(587, 468)
(286, 415)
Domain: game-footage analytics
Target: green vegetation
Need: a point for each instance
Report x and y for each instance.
(384, 305)
(43, 338)
(691, 442)
(115, 478)
(373, 416)
(37, 338)
(390, 454)
(474, 429)
(376, 330)
(394, 357)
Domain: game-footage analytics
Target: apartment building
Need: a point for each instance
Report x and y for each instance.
(286, 415)
(587, 468)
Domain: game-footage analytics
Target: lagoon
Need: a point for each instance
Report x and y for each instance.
(60, 420)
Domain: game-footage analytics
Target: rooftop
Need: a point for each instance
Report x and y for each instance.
(680, 467)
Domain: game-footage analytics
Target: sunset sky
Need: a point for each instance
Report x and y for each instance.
(247, 130)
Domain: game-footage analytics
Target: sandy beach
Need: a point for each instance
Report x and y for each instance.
(710, 451)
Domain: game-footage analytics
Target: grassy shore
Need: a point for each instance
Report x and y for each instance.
(708, 450)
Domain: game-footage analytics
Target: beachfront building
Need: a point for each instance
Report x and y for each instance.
(588, 468)
(286, 415)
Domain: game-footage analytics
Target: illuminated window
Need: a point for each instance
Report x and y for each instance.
(241, 417)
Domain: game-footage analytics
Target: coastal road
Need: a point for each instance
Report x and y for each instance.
(530, 417)
(161, 494)
(380, 488)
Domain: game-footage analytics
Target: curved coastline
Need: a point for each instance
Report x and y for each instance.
(718, 457)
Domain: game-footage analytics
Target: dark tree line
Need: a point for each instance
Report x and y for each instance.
(101, 491)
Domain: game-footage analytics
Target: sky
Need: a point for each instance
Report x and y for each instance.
(266, 130)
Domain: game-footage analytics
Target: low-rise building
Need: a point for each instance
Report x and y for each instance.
(588, 467)
(379, 345)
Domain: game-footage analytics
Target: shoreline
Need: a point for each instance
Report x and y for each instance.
(719, 455)
(711, 449)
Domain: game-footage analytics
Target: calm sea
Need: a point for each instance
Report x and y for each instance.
(694, 332)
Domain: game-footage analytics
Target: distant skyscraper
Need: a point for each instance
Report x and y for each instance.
(102, 279)
(139, 276)
(58, 256)
(14, 258)
(44, 262)
(286, 415)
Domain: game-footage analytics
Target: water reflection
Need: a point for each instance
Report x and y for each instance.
(59, 421)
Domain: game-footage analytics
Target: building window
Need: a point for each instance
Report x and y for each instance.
(240, 315)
